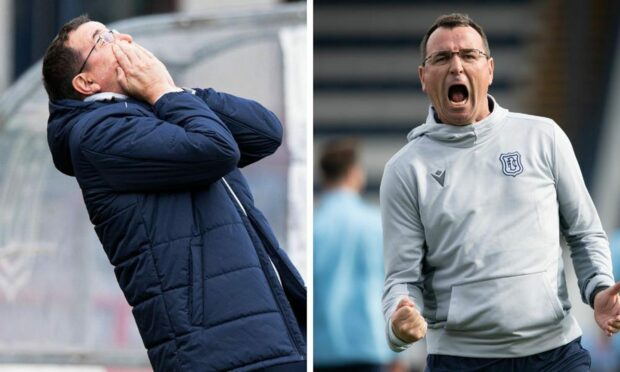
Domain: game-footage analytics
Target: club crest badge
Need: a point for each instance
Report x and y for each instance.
(511, 163)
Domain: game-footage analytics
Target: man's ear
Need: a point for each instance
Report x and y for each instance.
(421, 75)
(85, 85)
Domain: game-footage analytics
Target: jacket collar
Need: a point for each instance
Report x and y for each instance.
(462, 135)
(106, 96)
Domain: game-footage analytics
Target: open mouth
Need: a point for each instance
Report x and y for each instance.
(458, 93)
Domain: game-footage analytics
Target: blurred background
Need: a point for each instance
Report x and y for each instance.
(555, 58)
(60, 305)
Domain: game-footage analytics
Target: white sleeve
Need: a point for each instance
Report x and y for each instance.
(403, 246)
(579, 221)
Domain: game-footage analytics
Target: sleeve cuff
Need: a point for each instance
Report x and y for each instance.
(189, 90)
(594, 284)
(176, 90)
(395, 343)
(594, 292)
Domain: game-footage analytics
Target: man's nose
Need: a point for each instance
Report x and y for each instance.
(456, 65)
(124, 37)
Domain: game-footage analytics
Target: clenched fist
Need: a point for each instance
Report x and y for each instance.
(407, 322)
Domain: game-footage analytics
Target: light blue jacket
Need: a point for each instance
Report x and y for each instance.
(348, 281)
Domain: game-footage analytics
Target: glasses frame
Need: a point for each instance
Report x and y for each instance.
(453, 53)
(101, 38)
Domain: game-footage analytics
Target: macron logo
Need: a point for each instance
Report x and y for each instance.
(439, 176)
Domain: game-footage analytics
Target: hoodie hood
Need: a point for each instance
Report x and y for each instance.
(461, 135)
(64, 115)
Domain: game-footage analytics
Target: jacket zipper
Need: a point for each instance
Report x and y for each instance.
(234, 196)
(268, 257)
(246, 214)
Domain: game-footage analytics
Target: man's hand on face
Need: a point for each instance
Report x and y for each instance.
(607, 309)
(407, 322)
(141, 74)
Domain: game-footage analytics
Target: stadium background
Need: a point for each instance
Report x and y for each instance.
(555, 58)
(60, 306)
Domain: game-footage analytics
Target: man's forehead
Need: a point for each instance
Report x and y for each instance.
(444, 37)
(85, 34)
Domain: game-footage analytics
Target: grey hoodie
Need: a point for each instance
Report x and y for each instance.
(471, 221)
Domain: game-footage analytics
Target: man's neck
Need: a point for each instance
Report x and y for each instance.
(342, 186)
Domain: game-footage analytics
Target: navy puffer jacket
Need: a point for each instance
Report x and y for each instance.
(193, 256)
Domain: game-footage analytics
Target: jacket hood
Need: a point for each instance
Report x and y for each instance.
(460, 135)
(64, 114)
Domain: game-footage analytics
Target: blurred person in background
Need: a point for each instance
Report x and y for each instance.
(471, 210)
(348, 268)
(159, 171)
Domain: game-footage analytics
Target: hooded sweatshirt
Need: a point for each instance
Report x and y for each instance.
(472, 217)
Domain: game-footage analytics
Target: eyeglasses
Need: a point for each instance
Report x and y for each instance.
(466, 55)
(104, 38)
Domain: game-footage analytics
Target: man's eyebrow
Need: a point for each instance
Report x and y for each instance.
(97, 32)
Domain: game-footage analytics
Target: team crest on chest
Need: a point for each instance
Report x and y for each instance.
(511, 163)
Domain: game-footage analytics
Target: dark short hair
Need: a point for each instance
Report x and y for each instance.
(337, 158)
(451, 21)
(61, 63)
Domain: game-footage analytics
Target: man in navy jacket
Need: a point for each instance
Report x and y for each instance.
(159, 171)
